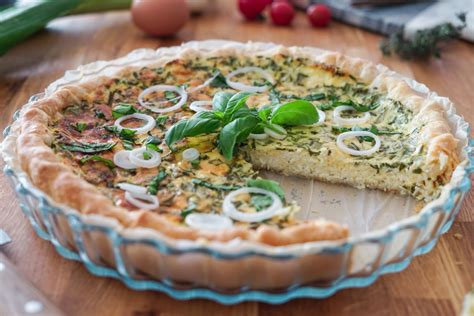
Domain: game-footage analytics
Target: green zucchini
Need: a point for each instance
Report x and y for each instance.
(26, 18)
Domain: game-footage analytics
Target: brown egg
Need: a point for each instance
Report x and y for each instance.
(160, 17)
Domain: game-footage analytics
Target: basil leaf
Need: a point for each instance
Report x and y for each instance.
(220, 100)
(264, 113)
(236, 102)
(268, 185)
(88, 148)
(123, 109)
(213, 186)
(107, 162)
(201, 123)
(155, 182)
(234, 133)
(299, 112)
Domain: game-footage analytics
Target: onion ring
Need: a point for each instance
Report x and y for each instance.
(132, 188)
(209, 222)
(150, 123)
(348, 121)
(246, 88)
(340, 143)
(196, 106)
(138, 200)
(231, 211)
(258, 136)
(182, 93)
(191, 154)
(136, 157)
(122, 160)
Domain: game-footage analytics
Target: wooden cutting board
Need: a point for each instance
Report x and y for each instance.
(433, 284)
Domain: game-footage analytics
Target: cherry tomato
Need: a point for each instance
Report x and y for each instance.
(251, 9)
(282, 13)
(319, 15)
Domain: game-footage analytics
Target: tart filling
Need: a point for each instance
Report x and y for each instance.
(177, 146)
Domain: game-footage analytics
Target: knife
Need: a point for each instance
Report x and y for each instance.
(18, 297)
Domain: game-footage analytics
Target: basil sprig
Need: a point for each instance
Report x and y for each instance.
(268, 185)
(231, 117)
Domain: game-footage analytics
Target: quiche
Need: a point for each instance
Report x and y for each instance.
(176, 143)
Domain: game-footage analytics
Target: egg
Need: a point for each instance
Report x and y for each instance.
(160, 17)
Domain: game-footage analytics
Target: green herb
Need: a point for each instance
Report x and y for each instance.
(123, 109)
(425, 42)
(261, 201)
(87, 148)
(151, 143)
(161, 120)
(187, 211)
(107, 162)
(373, 129)
(195, 163)
(170, 95)
(236, 121)
(126, 135)
(99, 114)
(268, 185)
(213, 186)
(146, 155)
(155, 182)
(80, 126)
(219, 81)
(315, 97)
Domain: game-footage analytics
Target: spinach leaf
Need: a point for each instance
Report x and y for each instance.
(201, 123)
(268, 185)
(123, 109)
(87, 148)
(213, 186)
(155, 182)
(107, 162)
(357, 106)
(315, 97)
(299, 112)
(234, 133)
(220, 100)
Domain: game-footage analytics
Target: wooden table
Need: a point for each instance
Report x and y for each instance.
(433, 284)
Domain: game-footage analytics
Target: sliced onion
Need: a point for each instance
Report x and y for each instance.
(205, 84)
(210, 222)
(322, 117)
(149, 125)
(348, 121)
(183, 96)
(122, 160)
(196, 106)
(258, 136)
(132, 188)
(246, 88)
(230, 210)
(143, 201)
(341, 137)
(136, 157)
(279, 134)
(191, 154)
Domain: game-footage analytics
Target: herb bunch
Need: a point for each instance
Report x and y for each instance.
(234, 121)
(425, 43)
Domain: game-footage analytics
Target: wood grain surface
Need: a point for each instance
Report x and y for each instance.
(434, 284)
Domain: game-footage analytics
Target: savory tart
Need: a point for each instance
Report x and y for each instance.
(176, 143)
